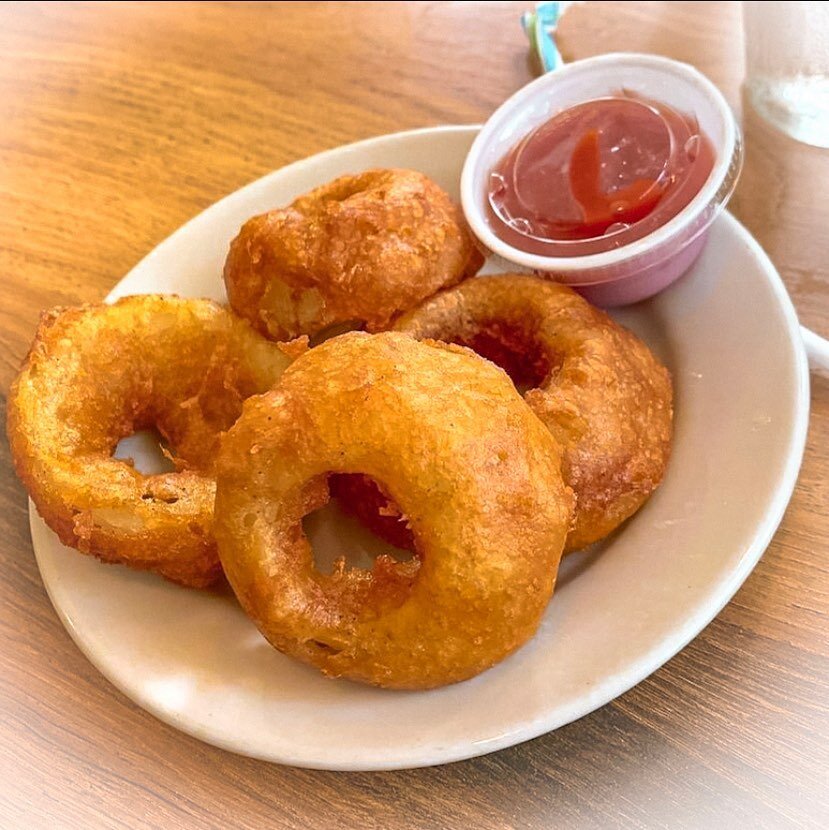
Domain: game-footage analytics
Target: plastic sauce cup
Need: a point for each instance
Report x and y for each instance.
(643, 267)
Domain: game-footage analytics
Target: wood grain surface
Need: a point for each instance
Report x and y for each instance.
(118, 122)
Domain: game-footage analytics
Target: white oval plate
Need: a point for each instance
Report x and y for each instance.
(729, 335)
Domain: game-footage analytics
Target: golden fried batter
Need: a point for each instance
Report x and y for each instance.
(98, 373)
(475, 472)
(355, 251)
(596, 386)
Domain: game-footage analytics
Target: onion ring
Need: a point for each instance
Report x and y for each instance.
(356, 252)
(594, 384)
(98, 373)
(476, 473)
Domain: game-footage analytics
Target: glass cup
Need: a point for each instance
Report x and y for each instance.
(787, 66)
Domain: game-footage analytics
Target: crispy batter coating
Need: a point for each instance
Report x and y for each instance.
(475, 472)
(98, 373)
(356, 251)
(596, 386)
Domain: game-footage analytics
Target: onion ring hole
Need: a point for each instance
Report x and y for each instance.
(347, 528)
(513, 349)
(149, 454)
(146, 451)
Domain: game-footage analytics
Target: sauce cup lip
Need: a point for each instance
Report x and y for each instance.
(473, 206)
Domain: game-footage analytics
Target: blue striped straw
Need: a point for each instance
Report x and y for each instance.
(539, 26)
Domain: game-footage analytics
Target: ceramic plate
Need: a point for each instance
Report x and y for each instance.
(728, 333)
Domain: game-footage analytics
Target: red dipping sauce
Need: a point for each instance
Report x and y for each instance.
(597, 176)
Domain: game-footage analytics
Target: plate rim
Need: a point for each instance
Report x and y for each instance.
(611, 686)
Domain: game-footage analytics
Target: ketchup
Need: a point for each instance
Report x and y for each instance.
(597, 176)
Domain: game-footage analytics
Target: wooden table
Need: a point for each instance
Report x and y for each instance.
(120, 121)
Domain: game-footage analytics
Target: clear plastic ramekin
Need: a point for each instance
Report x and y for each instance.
(641, 268)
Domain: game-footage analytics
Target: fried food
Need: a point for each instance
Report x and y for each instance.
(354, 252)
(475, 473)
(595, 385)
(98, 373)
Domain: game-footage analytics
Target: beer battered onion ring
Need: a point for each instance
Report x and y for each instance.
(356, 251)
(98, 373)
(475, 472)
(595, 385)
